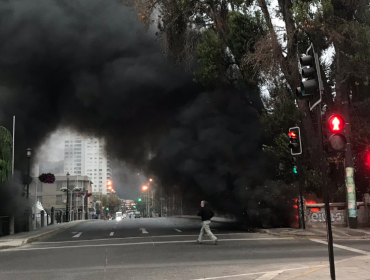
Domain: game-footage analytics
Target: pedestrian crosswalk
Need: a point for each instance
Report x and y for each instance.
(110, 234)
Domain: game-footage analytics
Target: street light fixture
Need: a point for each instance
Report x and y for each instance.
(29, 153)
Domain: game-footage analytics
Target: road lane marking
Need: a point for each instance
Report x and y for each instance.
(342, 247)
(178, 230)
(77, 235)
(162, 236)
(143, 230)
(257, 273)
(133, 243)
(111, 234)
(270, 275)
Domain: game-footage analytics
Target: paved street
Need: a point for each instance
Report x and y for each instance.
(165, 248)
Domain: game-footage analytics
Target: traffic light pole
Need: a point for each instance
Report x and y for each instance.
(326, 190)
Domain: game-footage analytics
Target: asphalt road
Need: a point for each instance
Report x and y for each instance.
(164, 248)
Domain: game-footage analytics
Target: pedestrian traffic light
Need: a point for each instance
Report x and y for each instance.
(139, 199)
(295, 143)
(134, 207)
(367, 159)
(335, 133)
(107, 208)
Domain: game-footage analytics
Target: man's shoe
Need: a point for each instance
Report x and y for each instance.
(215, 242)
(199, 242)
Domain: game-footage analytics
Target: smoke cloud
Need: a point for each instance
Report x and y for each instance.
(88, 66)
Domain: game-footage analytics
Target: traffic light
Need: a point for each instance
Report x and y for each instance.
(139, 199)
(294, 162)
(134, 207)
(295, 143)
(367, 159)
(309, 85)
(335, 133)
(107, 208)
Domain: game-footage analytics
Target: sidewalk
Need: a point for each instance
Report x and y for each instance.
(19, 239)
(320, 233)
(349, 269)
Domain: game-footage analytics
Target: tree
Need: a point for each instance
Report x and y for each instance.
(113, 202)
(188, 27)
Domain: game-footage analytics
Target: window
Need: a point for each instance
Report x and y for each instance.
(39, 198)
(78, 164)
(78, 172)
(67, 141)
(100, 177)
(59, 185)
(59, 199)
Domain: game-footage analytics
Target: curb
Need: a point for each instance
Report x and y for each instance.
(38, 236)
(288, 234)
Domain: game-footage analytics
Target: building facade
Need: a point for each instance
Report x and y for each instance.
(87, 156)
(50, 195)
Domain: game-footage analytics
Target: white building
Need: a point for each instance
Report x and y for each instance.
(87, 156)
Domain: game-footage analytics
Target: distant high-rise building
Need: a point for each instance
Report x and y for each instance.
(56, 167)
(87, 156)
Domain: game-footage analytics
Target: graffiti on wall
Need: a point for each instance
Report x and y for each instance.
(320, 217)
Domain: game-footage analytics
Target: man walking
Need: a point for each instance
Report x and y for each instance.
(206, 213)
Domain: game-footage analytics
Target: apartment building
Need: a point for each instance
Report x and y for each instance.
(87, 156)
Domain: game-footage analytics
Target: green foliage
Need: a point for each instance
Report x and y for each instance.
(113, 202)
(5, 153)
(212, 61)
(244, 31)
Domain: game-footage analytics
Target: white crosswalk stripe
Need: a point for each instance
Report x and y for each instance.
(77, 235)
(178, 230)
(270, 275)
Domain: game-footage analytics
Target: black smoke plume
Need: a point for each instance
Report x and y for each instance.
(87, 65)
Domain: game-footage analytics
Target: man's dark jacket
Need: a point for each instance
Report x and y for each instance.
(206, 213)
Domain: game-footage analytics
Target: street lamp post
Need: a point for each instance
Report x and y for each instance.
(67, 204)
(149, 189)
(29, 153)
(146, 189)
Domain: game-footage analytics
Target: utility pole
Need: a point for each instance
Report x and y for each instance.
(312, 89)
(348, 163)
(13, 147)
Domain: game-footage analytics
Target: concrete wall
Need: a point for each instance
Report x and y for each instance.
(339, 214)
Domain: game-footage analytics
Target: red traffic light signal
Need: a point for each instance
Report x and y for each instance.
(292, 135)
(336, 138)
(295, 144)
(336, 123)
(367, 159)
